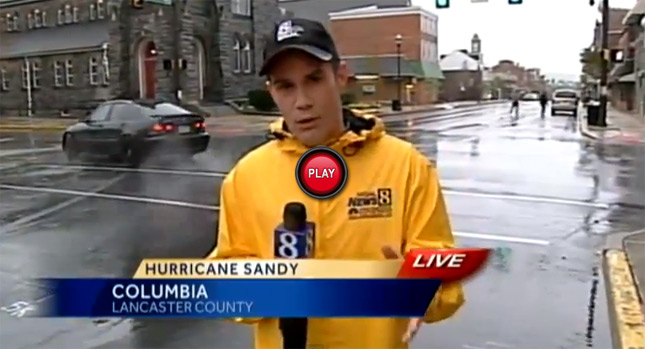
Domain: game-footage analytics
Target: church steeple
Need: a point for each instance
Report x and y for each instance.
(475, 45)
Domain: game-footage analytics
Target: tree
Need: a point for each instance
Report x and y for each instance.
(591, 61)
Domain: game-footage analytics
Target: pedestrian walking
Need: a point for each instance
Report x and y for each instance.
(515, 103)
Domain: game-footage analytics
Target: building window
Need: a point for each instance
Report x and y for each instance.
(241, 7)
(38, 20)
(25, 75)
(248, 58)
(35, 75)
(30, 21)
(92, 12)
(106, 68)
(61, 17)
(9, 21)
(68, 14)
(100, 9)
(94, 71)
(69, 73)
(16, 21)
(75, 15)
(237, 57)
(5, 80)
(58, 74)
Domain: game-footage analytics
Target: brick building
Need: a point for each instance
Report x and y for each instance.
(366, 39)
(65, 55)
(621, 82)
(511, 68)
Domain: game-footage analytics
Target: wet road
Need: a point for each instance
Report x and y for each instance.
(534, 189)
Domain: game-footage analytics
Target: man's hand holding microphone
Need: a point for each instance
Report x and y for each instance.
(294, 239)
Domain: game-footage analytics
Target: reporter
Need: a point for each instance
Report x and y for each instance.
(305, 77)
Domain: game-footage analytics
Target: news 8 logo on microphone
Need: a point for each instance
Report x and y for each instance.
(294, 238)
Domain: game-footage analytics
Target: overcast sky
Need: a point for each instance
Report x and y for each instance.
(546, 34)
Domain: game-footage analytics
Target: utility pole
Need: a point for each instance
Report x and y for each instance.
(604, 64)
(176, 77)
(29, 87)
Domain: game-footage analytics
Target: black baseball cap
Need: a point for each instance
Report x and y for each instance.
(300, 34)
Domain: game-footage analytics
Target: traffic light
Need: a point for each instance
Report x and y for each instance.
(442, 3)
(138, 4)
(514, 2)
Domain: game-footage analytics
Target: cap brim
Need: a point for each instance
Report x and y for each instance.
(312, 50)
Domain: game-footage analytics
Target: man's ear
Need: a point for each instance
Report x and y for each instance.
(342, 74)
(270, 87)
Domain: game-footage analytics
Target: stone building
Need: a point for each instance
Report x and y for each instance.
(64, 56)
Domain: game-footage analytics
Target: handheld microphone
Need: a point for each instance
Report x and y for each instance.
(294, 239)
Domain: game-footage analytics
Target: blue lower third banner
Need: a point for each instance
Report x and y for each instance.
(226, 298)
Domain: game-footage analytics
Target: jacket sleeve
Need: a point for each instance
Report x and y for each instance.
(427, 225)
(233, 240)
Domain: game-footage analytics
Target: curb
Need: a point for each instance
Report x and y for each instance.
(625, 311)
(584, 130)
(32, 128)
(434, 108)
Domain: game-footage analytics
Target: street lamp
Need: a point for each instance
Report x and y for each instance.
(398, 40)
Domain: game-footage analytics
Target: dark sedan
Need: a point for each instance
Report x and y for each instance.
(129, 131)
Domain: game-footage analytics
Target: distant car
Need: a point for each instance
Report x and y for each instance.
(129, 131)
(565, 101)
(531, 97)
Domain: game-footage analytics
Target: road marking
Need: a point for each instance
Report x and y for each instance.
(28, 151)
(502, 238)
(140, 170)
(221, 174)
(529, 198)
(3, 140)
(7, 228)
(216, 208)
(110, 196)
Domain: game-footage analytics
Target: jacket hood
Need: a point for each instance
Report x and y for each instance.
(360, 130)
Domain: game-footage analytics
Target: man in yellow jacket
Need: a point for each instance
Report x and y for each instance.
(392, 201)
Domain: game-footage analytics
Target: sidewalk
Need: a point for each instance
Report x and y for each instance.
(620, 126)
(624, 272)
(25, 124)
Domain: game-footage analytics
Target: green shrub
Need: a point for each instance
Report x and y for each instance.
(261, 100)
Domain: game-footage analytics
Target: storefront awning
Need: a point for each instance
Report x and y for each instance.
(635, 15)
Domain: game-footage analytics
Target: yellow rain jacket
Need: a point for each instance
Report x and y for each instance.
(395, 200)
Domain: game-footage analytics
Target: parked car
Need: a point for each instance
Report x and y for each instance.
(129, 131)
(531, 96)
(565, 100)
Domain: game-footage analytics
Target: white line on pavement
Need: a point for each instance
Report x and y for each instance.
(502, 238)
(139, 170)
(37, 215)
(447, 192)
(110, 196)
(529, 198)
(3, 140)
(28, 151)
(215, 208)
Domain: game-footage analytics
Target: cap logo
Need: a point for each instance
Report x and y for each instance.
(287, 30)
